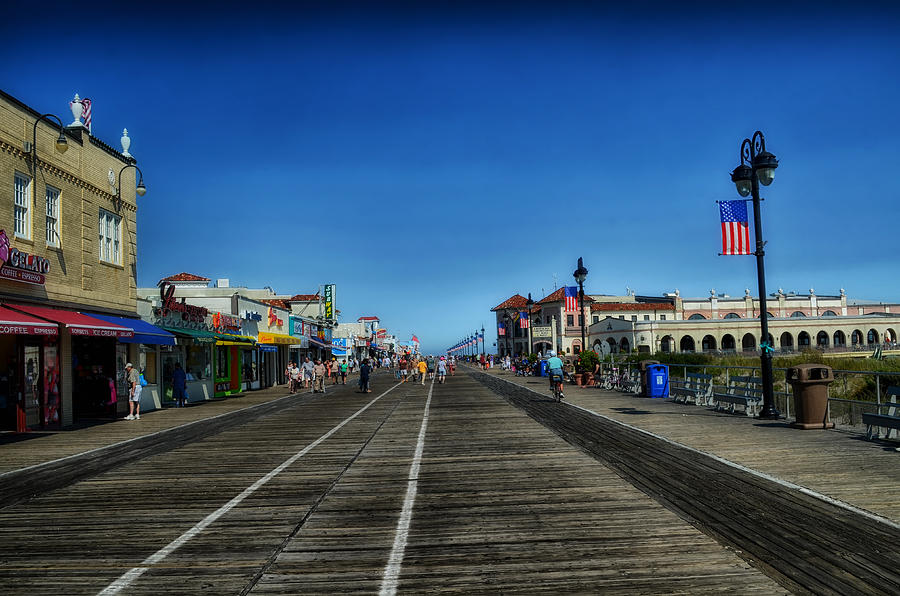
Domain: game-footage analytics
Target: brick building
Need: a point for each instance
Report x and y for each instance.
(68, 248)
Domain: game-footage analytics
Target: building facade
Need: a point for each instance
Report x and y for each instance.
(68, 244)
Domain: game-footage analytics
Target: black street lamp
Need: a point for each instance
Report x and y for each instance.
(482, 340)
(529, 304)
(61, 144)
(580, 275)
(747, 178)
(475, 345)
(141, 189)
(508, 321)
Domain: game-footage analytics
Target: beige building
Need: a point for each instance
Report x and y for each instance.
(68, 248)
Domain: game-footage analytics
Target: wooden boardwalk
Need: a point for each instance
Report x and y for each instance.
(504, 505)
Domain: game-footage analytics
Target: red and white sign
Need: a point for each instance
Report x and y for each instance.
(21, 266)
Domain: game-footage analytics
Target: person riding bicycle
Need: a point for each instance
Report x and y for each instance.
(555, 365)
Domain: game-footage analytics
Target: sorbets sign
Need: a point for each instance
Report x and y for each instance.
(21, 266)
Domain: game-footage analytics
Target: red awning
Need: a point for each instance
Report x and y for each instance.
(15, 323)
(77, 323)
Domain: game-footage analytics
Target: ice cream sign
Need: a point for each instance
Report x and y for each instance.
(21, 266)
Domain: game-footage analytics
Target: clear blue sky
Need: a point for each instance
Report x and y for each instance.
(433, 158)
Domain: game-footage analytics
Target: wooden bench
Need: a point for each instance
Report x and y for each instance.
(745, 392)
(696, 388)
(889, 421)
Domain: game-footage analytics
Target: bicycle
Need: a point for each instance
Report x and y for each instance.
(556, 382)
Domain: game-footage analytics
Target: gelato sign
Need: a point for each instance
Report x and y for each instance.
(21, 266)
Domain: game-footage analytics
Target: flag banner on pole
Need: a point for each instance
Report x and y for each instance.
(87, 113)
(415, 339)
(571, 295)
(735, 228)
(501, 329)
(523, 320)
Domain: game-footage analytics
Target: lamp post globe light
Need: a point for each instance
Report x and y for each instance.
(580, 275)
(140, 189)
(758, 167)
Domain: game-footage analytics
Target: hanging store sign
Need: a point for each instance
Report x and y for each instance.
(226, 323)
(542, 331)
(17, 265)
(169, 305)
(329, 301)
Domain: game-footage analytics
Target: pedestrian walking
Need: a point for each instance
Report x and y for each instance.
(319, 377)
(441, 370)
(179, 386)
(423, 368)
(307, 368)
(364, 377)
(344, 372)
(133, 380)
(333, 371)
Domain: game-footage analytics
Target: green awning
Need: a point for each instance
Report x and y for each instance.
(198, 335)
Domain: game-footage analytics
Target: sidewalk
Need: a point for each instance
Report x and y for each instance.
(29, 449)
(838, 464)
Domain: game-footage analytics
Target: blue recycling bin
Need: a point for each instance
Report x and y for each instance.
(657, 380)
(544, 370)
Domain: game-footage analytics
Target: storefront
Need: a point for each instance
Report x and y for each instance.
(98, 363)
(299, 348)
(193, 350)
(273, 351)
(29, 373)
(150, 341)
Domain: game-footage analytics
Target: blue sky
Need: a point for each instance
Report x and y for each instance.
(433, 158)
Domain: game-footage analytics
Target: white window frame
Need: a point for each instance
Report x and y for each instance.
(22, 206)
(109, 235)
(52, 227)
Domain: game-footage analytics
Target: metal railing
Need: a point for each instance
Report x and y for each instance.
(851, 394)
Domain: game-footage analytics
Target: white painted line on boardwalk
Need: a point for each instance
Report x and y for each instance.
(391, 575)
(128, 577)
(125, 442)
(785, 483)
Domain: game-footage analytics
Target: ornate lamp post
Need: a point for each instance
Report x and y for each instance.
(508, 321)
(61, 144)
(482, 340)
(580, 275)
(141, 189)
(747, 178)
(529, 304)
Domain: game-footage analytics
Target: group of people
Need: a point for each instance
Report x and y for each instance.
(314, 374)
(418, 368)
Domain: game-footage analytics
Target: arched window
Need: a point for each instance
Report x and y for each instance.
(732, 315)
(839, 339)
(803, 340)
(787, 342)
(829, 313)
(822, 339)
(856, 337)
(872, 337)
(890, 336)
(797, 314)
(624, 346)
(696, 317)
(537, 321)
(613, 346)
(748, 343)
(728, 342)
(708, 344)
(687, 344)
(667, 343)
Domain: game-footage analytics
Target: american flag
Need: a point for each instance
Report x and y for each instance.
(501, 329)
(523, 320)
(87, 113)
(571, 296)
(735, 228)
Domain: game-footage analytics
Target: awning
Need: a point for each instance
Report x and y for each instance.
(144, 332)
(276, 338)
(315, 341)
(226, 339)
(15, 323)
(198, 335)
(77, 323)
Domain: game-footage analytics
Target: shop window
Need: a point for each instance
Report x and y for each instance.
(250, 366)
(197, 363)
(110, 233)
(147, 363)
(52, 224)
(22, 208)
(222, 371)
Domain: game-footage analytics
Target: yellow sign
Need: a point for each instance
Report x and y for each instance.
(276, 338)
